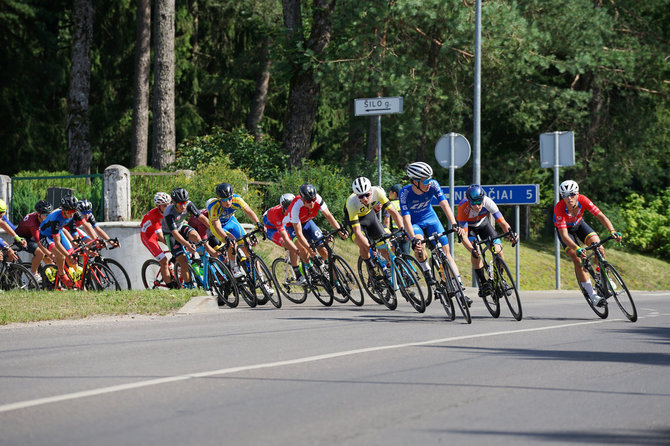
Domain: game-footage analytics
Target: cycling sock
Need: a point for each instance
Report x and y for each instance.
(296, 271)
(480, 275)
(588, 288)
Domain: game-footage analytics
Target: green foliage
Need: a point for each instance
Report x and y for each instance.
(648, 223)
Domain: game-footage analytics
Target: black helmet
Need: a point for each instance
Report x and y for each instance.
(475, 194)
(84, 206)
(308, 192)
(224, 190)
(179, 195)
(68, 203)
(285, 200)
(395, 188)
(43, 207)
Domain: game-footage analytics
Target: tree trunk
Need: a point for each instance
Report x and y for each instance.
(163, 137)
(140, 129)
(304, 90)
(79, 144)
(433, 53)
(261, 93)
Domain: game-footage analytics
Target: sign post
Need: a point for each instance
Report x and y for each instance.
(557, 149)
(377, 107)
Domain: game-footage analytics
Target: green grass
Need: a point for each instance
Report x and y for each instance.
(536, 273)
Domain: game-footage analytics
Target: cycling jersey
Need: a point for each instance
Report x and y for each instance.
(417, 206)
(199, 226)
(273, 221)
(56, 221)
(29, 226)
(73, 225)
(149, 229)
(355, 207)
(298, 213)
(468, 217)
(564, 220)
(173, 220)
(218, 211)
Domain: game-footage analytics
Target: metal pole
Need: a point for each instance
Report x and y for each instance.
(557, 243)
(476, 160)
(379, 149)
(517, 216)
(452, 169)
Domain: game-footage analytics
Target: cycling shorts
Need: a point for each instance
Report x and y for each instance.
(484, 231)
(151, 243)
(429, 227)
(48, 241)
(371, 226)
(309, 229)
(581, 232)
(175, 247)
(273, 232)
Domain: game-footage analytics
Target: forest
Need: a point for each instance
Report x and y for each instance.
(157, 76)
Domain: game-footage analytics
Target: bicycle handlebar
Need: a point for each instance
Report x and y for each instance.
(600, 243)
(490, 239)
(326, 236)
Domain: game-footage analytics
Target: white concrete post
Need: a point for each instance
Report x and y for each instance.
(117, 193)
(5, 188)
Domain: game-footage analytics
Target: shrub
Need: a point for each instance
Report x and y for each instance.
(648, 223)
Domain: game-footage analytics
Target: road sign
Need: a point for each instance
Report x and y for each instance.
(565, 150)
(377, 106)
(502, 194)
(456, 142)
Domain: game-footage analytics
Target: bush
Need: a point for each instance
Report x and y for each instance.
(648, 223)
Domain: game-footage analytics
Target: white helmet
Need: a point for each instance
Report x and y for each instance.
(285, 200)
(162, 198)
(361, 185)
(569, 187)
(419, 171)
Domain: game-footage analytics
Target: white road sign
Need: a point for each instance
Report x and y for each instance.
(377, 106)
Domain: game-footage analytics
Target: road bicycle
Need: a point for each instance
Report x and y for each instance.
(607, 282)
(257, 275)
(382, 282)
(287, 284)
(500, 282)
(85, 275)
(210, 274)
(334, 275)
(117, 269)
(447, 286)
(152, 277)
(15, 276)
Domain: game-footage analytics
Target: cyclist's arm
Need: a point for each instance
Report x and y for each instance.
(251, 214)
(219, 232)
(444, 204)
(300, 237)
(392, 211)
(605, 221)
(332, 221)
(9, 230)
(407, 224)
(89, 230)
(181, 240)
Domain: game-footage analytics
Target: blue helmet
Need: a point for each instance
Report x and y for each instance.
(475, 194)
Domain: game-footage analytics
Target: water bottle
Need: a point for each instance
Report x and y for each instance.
(198, 269)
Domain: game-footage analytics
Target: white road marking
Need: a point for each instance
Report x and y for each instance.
(230, 370)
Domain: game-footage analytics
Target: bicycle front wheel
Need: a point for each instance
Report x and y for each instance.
(119, 272)
(421, 276)
(617, 288)
(266, 283)
(441, 291)
(286, 282)
(17, 277)
(602, 311)
(222, 283)
(408, 281)
(345, 280)
(454, 287)
(320, 287)
(372, 287)
(507, 288)
(101, 278)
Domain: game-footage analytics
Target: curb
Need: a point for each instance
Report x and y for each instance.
(200, 304)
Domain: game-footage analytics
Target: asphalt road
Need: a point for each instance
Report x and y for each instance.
(309, 375)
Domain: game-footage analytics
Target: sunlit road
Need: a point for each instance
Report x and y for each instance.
(306, 375)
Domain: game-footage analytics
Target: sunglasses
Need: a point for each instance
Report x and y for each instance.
(226, 199)
(571, 194)
(362, 196)
(309, 201)
(476, 202)
(426, 182)
(181, 203)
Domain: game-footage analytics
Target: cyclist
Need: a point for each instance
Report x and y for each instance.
(178, 233)
(85, 208)
(360, 216)
(392, 194)
(57, 240)
(151, 232)
(420, 219)
(472, 216)
(9, 228)
(222, 220)
(29, 229)
(274, 227)
(571, 228)
(299, 222)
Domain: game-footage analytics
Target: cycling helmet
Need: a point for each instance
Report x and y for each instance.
(68, 203)
(179, 195)
(419, 171)
(84, 206)
(43, 207)
(308, 192)
(224, 190)
(475, 194)
(569, 187)
(3, 206)
(285, 200)
(395, 188)
(361, 185)
(162, 198)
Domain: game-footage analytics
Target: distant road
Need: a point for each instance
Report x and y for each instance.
(309, 375)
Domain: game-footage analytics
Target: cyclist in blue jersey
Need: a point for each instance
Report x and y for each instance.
(420, 219)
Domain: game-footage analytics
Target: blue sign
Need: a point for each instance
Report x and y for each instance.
(512, 194)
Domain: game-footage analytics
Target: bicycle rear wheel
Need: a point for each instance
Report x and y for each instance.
(222, 283)
(195, 278)
(421, 276)
(151, 275)
(286, 283)
(346, 282)
(119, 272)
(369, 284)
(17, 277)
(100, 278)
(441, 291)
(617, 288)
(507, 288)
(408, 281)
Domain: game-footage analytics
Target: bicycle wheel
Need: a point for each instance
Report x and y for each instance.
(119, 272)
(101, 277)
(17, 277)
(602, 311)
(617, 288)
(369, 284)
(286, 283)
(320, 287)
(222, 283)
(346, 282)
(421, 275)
(408, 281)
(266, 283)
(507, 288)
(196, 279)
(441, 291)
(492, 300)
(48, 272)
(455, 290)
(151, 275)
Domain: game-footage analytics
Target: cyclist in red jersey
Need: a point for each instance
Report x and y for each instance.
(29, 229)
(151, 232)
(273, 219)
(571, 229)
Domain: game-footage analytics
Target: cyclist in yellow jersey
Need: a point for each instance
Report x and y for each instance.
(360, 216)
(222, 219)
